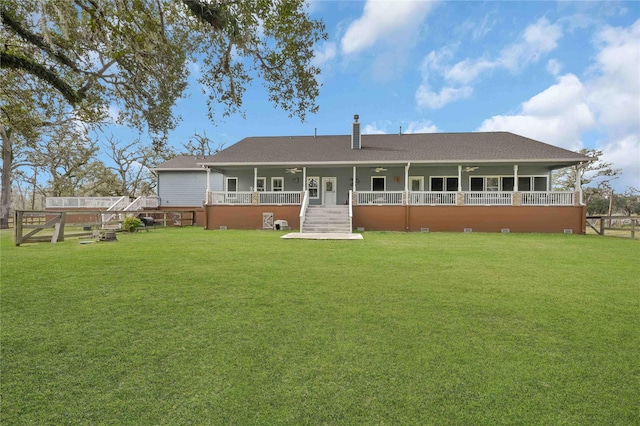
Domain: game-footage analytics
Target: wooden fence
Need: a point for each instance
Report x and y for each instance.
(620, 225)
(49, 226)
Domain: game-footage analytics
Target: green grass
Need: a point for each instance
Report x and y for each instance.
(185, 326)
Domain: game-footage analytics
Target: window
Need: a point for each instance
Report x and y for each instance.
(452, 184)
(277, 184)
(232, 184)
(524, 183)
(378, 183)
(444, 184)
(312, 186)
(492, 183)
(507, 183)
(416, 183)
(540, 183)
(261, 184)
(477, 184)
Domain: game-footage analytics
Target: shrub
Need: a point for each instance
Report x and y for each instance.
(131, 223)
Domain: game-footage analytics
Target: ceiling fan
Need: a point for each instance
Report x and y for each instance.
(470, 169)
(293, 170)
(379, 169)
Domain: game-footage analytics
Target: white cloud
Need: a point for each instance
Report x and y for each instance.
(468, 70)
(554, 67)
(326, 52)
(608, 101)
(384, 20)
(536, 40)
(421, 126)
(376, 128)
(615, 91)
(559, 115)
(426, 98)
(113, 112)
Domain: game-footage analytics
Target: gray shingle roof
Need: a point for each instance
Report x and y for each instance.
(392, 148)
(184, 162)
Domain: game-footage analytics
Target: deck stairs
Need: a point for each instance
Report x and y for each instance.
(323, 219)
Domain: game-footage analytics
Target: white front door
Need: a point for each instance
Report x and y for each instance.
(329, 191)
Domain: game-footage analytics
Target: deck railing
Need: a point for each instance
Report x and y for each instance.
(230, 197)
(80, 202)
(491, 198)
(548, 198)
(394, 198)
(279, 198)
(397, 198)
(424, 198)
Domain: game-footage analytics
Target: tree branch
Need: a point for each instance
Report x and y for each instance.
(9, 60)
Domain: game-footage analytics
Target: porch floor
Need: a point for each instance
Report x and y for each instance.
(322, 236)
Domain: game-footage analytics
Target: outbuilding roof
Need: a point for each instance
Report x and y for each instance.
(489, 147)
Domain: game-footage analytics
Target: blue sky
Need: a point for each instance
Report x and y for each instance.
(565, 73)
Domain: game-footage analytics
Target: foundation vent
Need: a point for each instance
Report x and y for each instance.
(468, 230)
(424, 229)
(360, 228)
(568, 231)
(223, 227)
(505, 230)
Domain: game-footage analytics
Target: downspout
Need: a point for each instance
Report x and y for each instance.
(406, 195)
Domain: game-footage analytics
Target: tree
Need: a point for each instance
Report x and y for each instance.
(131, 166)
(598, 171)
(201, 145)
(135, 55)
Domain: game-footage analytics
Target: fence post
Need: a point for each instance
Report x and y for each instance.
(17, 226)
(602, 226)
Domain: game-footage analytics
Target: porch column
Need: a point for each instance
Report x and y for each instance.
(206, 196)
(406, 177)
(459, 178)
(354, 178)
(255, 179)
(578, 187)
(304, 179)
(515, 178)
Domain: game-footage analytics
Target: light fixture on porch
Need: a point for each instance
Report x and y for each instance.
(470, 169)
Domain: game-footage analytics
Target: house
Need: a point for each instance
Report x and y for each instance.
(183, 184)
(457, 182)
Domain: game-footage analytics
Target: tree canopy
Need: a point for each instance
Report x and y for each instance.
(84, 56)
(136, 53)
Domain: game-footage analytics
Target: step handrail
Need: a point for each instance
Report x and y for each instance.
(303, 209)
(350, 211)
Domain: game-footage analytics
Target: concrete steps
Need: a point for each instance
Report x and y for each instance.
(324, 219)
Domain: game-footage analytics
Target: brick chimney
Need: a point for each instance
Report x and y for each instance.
(356, 142)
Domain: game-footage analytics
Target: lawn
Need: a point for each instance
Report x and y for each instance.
(185, 326)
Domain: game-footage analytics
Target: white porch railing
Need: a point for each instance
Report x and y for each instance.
(548, 198)
(380, 198)
(440, 198)
(279, 198)
(350, 211)
(143, 202)
(119, 205)
(488, 198)
(81, 202)
(230, 197)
